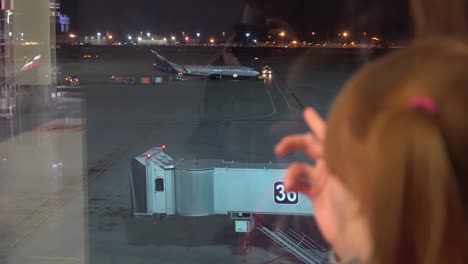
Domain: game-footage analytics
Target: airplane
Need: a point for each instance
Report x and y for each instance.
(32, 63)
(214, 72)
(8, 103)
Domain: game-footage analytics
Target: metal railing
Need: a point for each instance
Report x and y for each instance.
(301, 246)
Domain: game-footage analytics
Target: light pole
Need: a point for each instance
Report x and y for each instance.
(282, 34)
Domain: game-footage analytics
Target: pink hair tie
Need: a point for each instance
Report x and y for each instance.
(424, 103)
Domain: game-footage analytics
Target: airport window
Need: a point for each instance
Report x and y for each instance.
(97, 97)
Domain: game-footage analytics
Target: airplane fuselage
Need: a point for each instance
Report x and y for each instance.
(210, 70)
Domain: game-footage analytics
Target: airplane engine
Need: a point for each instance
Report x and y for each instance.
(216, 77)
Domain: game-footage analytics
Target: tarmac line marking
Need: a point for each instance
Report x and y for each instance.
(21, 237)
(284, 96)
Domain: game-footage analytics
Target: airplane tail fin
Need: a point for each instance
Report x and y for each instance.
(162, 64)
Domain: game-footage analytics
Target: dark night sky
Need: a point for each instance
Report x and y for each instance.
(212, 16)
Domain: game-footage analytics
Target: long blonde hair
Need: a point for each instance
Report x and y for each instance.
(407, 169)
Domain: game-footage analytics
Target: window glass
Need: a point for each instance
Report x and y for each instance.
(115, 149)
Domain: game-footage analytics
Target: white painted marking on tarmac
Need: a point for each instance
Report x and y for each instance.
(262, 116)
(284, 96)
(271, 100)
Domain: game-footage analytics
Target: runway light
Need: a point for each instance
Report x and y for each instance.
(140, 39)
(129, 37)
(186, 39)
(72, 36)
(294, 42)
(212, 41)
(282, 34)
(345, 34)
(173, 38)
(256, 58)
(148, 156)
(110, 37)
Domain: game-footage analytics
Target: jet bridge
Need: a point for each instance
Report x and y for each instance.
(164, 185)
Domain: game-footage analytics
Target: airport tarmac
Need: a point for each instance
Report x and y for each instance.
(76, 209)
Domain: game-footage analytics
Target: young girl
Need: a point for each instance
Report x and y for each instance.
(390, 183)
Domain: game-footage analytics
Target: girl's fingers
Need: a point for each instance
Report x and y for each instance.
(307, 143)
(315, 123)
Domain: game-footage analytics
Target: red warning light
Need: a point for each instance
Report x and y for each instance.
(148, 156)
(163, 146)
